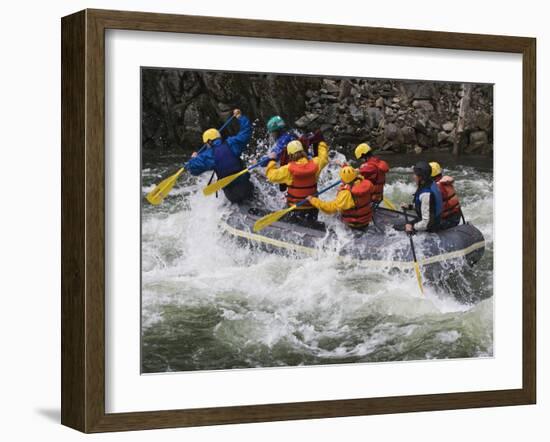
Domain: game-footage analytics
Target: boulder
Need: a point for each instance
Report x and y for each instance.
(442, 136)
(356, 113)
(424, 91)
(373, 117)
(425, 105)
(328, 97)
(391, 132)
(386, 91)
(331, 86)
(421, 124)
(409, 135)
(424, 140)
(448, 126)
(345, 89)
(452, 136)
(478, 141)
(305, 120)
(481, 120)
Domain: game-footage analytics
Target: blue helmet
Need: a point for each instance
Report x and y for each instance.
(275, 123)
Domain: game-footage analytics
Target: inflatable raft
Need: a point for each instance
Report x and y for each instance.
(381, 245)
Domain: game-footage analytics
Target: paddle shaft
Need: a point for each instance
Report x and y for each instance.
(224, 125)
(319, 193)
(255, 165)
(409, 234)
(276, 216)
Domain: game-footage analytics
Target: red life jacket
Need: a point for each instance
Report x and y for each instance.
(374, 170)
(361, 214)
(304, 182)
(451, 205)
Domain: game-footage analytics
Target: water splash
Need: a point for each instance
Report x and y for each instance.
(208, 304)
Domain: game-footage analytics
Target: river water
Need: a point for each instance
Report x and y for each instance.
(208, 304)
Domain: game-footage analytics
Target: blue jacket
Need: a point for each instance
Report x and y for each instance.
(436, 202)
(230, 150)
(282, 141)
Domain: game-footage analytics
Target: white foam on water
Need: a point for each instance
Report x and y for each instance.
(268, 309)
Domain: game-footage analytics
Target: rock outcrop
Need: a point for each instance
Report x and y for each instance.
(177, 105)
(392, 115)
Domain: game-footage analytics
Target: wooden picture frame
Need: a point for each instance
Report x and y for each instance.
(83, 220)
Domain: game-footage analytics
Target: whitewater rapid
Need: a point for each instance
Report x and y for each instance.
(209, 304)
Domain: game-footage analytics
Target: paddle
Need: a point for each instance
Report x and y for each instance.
(389, 204)
(265, 221)
(225, 181)
(161, 190)
(416, 265)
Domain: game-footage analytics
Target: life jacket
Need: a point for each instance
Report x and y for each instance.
(375, 170)
(226, 163)
(361, 214)
(451, 205)
(304, 182)
(436, 204)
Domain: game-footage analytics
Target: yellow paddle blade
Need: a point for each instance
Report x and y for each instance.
(389, 204)
(265, 221)
(162, 189)
(220, 184)
(418, 276)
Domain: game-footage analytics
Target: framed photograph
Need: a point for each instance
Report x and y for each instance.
(268, 221)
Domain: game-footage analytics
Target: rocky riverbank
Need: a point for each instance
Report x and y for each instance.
(392, 115)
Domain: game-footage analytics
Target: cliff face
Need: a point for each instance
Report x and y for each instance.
(178, 105)
(403, 116)
(392, 115)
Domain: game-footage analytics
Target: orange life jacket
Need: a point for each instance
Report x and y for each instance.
(375, 170)
(304, 182)
(451, 205)
(361, 214)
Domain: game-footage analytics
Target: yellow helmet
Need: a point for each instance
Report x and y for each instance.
(210, 135)
(436, 168)
(348, 174)
(362, 149)
(294, 147)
